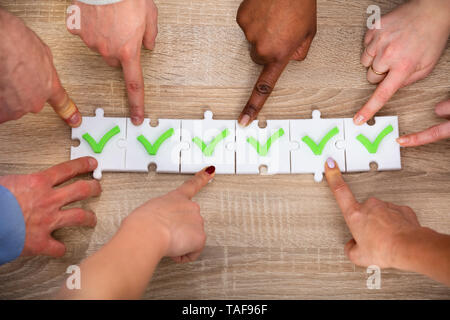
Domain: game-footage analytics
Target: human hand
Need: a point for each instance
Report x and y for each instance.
(176, 218)
(433, 134)
(376, 226)
(404, 51)
(42, 204)
(28, 78)
(117, 31)
(279, 31)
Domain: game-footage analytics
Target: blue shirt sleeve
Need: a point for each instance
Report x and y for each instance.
(12, 227)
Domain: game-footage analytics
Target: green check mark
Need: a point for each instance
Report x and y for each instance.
(98, 147)
(152, 149)
(372, 147)
(208, 150)
(263, 150)
(317, 149)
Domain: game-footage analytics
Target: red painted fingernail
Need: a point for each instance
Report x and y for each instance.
(210, 170)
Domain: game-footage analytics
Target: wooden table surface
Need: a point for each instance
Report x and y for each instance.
(269, 237)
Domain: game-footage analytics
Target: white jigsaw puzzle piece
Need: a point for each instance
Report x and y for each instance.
(167, 157)
(304, 159)
(277, 159)
(206, 130)
(387, 156)
(112, 157)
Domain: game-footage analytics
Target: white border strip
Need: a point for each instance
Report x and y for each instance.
(99, 2)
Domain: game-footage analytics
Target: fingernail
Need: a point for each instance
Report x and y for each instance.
(244, 120)
(330, 163)
(402, 140)
(74, 119)
(210, 170)
(359, 120)
(136, 120)
(92, 163)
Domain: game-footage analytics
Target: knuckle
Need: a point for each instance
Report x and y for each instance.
(196, 207)
(372, 201)
(265, 51)
(102, 48)
(405, 65)
(84, 188)
(340, 187)
(80, 216)
(134, 86)
(252, 110)
(389, 52)
(382, 37)
(126, 53)
(263, 88)
(383, 94)
(354, 213)
(435, 133)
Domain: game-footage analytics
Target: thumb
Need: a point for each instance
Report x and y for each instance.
(191, 187)
(352, 251)
(62, 104)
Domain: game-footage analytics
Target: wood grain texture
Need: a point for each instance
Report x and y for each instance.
(268, 237)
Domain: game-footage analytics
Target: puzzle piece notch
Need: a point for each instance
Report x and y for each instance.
(112, 157)
(269, 147)
(208, 142)
(159, 145)
(317, 139)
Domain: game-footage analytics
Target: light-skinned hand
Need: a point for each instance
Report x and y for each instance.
(42, 204)
(278, 31)
(118, 31)
(376, 226)
(28, 78)
(176, 218)
(406, 49)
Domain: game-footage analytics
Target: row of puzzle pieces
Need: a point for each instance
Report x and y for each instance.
(283, 146)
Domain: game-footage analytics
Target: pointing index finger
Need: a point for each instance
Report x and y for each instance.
(191, 187)
(385, 90)
(63, 105)
(134, 81)
(262, 90)
(341, 191)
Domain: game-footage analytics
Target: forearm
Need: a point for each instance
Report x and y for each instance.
(123, 268)
(426, 252)
(439, 11)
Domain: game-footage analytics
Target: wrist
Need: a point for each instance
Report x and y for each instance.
(148, 233)
(409, 247)
(438, 11)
